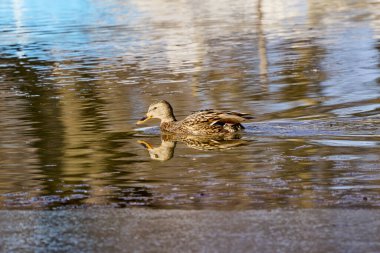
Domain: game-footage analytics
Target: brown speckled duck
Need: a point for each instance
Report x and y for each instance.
(204, 122)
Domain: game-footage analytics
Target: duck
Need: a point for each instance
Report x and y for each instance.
(208, 122)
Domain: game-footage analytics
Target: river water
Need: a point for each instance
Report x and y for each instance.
(75, 76)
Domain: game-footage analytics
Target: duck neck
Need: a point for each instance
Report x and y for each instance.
(167, 124)
(168, 119)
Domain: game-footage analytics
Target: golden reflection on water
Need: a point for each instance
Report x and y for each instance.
(71, 90)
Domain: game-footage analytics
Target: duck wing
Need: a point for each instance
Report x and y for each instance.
(212, 117)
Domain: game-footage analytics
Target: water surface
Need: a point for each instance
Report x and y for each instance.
(76, 75)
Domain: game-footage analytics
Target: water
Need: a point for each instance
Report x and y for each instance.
(76, 75)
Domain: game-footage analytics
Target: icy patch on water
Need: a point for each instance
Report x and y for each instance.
(143, 131)
(348, 143)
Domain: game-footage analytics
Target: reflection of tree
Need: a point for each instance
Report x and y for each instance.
(68, 130)
(301, 69)
(91, 149)
(301, 74)
(262, 46)
(42, 112)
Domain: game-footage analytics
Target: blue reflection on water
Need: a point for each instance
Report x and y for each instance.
(57, 30)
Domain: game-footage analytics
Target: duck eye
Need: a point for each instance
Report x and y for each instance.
(154, 108)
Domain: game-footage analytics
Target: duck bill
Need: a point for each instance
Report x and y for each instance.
(145, 144)
(142, 120)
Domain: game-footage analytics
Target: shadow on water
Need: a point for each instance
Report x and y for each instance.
(72, 86)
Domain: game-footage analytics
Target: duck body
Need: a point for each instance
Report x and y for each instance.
(200, 123)
(205, 122)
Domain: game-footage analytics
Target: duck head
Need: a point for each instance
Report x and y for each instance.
(160, 110)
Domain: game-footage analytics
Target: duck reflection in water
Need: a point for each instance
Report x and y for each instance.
(165, 151)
